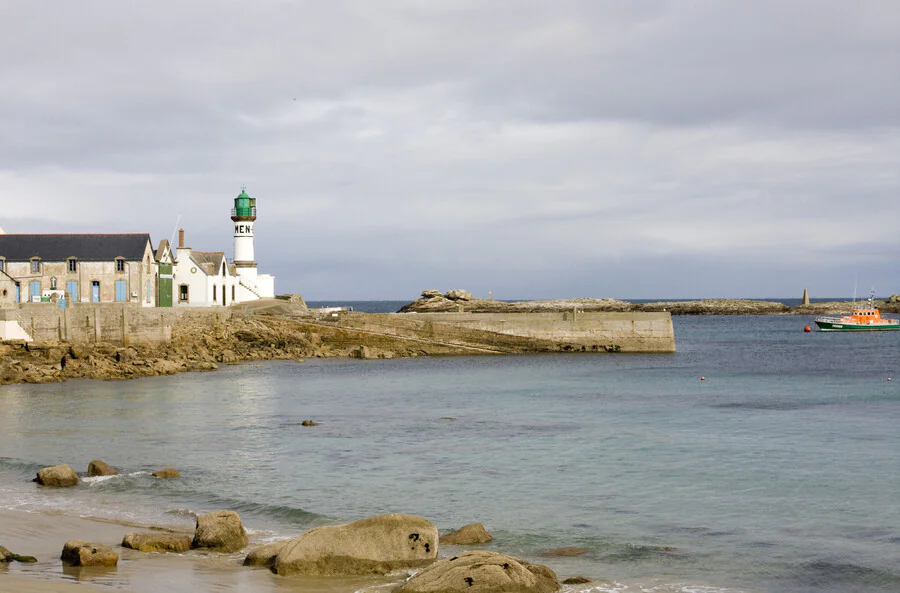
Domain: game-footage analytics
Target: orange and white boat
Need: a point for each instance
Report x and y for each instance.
(863, 319)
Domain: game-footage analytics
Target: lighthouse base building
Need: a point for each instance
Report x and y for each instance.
(189, 278)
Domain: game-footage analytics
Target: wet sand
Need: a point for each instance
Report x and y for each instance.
(43, 535)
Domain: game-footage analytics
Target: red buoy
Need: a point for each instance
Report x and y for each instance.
(807, 329)
(703, 378)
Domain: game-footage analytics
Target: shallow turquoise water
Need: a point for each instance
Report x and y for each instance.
(779, 472)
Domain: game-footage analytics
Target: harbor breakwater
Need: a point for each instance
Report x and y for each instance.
(120, 342)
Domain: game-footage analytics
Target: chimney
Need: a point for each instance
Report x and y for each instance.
(180, 238)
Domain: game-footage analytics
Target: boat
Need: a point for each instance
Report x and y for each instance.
(859, 319)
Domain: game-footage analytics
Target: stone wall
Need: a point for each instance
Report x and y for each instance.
(530, 332)
(117, 323)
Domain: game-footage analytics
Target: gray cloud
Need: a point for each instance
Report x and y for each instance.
(632, 149)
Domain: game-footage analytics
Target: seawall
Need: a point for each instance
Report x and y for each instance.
(115, 323)
(572, 331)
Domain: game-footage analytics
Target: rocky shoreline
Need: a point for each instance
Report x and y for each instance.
(398, 552)
(434, 301)
(197, 346)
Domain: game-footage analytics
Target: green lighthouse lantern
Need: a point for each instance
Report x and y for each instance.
(244, 205)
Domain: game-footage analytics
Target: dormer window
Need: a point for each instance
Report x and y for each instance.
(120, 264)
(72, 265)
(36, 265)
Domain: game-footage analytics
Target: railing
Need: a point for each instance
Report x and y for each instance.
(243, 211)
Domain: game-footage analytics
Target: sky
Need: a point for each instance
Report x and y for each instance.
(627, 149)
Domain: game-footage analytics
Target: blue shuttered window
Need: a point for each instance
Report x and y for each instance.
(120, 290)
(72, 289)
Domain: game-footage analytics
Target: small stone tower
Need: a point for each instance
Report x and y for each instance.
(243, 215)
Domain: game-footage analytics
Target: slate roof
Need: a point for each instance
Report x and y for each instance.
(210, 261)
(84, 247)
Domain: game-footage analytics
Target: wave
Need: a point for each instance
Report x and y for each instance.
(91, 480)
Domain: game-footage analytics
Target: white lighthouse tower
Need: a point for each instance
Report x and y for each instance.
(244, 215)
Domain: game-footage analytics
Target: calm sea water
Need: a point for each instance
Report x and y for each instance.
(779, 472)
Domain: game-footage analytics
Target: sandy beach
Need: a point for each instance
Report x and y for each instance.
(42, 535)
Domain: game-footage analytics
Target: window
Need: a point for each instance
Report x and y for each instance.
(2, 265)
(215, 298)
(72, 265)
(232, 293)
(120, 265)
(36, 266)
(182, 293)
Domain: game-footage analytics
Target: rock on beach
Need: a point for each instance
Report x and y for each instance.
(482, 572)
(101, 468)
(167, 474)
(57, 476)
(81, 553)
(467, 535)
(265, 555)
(221, 531)
(157, 542)
(377, 545)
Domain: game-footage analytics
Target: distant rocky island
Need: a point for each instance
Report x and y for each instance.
(434, 301)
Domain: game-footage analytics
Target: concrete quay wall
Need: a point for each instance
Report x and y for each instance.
(116, 323)
(530, 332)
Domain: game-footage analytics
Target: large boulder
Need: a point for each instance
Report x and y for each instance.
(157, 542)
(265, 555)
(221, 531)
(377, 545)
(458, 295)
(467, 535)
(59, 476)
(101, 468)
(81, 553)
(167, 474)
(482, 572)
(431, 294)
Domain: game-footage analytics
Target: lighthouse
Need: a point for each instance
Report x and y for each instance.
(244, 215)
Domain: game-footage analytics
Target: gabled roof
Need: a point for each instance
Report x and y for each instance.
(84, 247)
(209, 261)
(161, 250)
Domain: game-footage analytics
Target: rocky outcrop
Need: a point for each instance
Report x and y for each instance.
(377, 545)
(482, 572)
(265, 555)
(458, 295)
(202, 345)
(576, 581)
(221, 531)
(467, 535)
(81, 553)
(57, 476)
(444, 304)
(101, 468)
(167, 474)
(157, 542)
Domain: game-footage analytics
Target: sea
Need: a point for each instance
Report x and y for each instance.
(758, 458)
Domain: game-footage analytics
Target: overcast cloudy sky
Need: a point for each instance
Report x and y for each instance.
(629, 149)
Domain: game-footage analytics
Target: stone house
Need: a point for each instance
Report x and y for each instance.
(100, 268)
(203, 278)
(9, 288)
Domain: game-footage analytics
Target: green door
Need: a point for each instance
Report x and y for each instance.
(164, 289)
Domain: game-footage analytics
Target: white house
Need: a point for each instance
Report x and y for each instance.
(206, 278)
